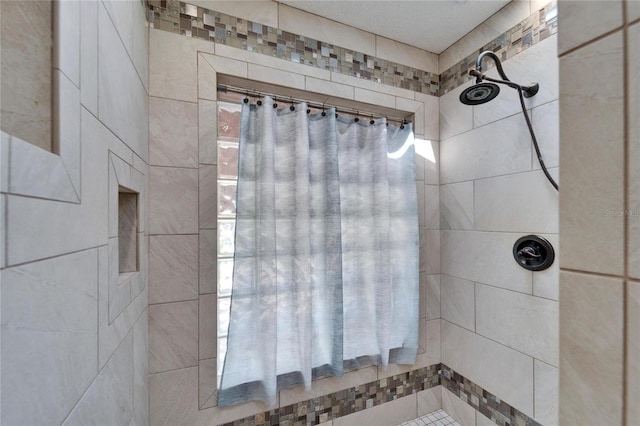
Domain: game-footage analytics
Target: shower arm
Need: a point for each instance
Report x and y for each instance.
(496, 60)
(528, 91)
(480, 77)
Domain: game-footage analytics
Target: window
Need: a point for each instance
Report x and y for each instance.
(228, 132)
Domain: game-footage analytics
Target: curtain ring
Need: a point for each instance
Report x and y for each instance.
(324, 113)
(275, 103)
(259, 103)
(356, 119)
(292, 107)
(403, 122)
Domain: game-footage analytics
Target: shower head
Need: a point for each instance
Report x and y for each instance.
(479, 93)
(484, 92)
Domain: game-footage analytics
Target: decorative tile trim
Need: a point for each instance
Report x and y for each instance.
(487, 403)
(193, 21)
(348, 401)
(537, 27)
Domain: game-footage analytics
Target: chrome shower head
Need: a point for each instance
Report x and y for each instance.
(479, 93)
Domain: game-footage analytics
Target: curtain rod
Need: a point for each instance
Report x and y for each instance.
(312, 104)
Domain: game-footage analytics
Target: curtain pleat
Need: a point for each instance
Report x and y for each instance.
(326, 251)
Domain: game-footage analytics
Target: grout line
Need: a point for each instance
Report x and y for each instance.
(174, 167)
(179, 100)
(500, 175)
(176, 301)
(597, 274)
(591, 41)
(15, 265)
(626, 189)
(497, 342)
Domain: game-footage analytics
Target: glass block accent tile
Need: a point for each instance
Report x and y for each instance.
(537, 27)
(194, 21)
(482, 400)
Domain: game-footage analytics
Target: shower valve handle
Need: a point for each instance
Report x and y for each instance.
(529, 252)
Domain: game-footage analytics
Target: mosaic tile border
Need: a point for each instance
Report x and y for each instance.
(483, 401)
(537, 27)
(194, 21)
(348, 401)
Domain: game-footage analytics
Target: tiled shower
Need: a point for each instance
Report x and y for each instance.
(113, 232)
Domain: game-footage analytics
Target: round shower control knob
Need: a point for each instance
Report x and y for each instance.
(533, 252)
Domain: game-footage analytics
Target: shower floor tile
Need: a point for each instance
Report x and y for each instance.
(436, 418)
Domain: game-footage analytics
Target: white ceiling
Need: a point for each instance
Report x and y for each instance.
(432, 25)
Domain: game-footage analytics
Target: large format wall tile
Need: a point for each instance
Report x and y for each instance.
(208, 265)
(109, 400)
(572, 16)
(313, 26)
(501, 204)
(173, 264)
(173, 133)
(532, 65)
(26, 71)
(431, 296)
(405, 54)
(633, 350)
(462, 412)
(49, 337)
(173, 336)
(456, 205)
(89, 55)
(545, 283)
(432, 206)
(546, 124)
(591, 153)
(455, 117)
(496, 149)
(429, 400)
(484, 257)
(591, 339)
(173, 397)
(546, 393)
(207, 383)
(65, 230)
(500, 370)
(173, 200)
(207, 131)
(208, 197)
(140, 357)
(526, 323)
(431, 115)
(173, 65)
(634, 145)
(207, 325)
(457, 301)
(122, 98)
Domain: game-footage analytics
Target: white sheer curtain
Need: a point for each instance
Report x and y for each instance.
(326, 250)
